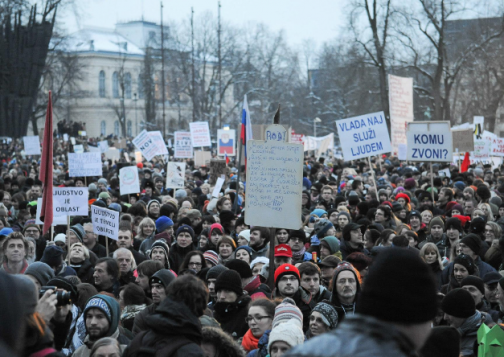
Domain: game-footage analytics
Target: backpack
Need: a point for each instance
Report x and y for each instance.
(158, 347)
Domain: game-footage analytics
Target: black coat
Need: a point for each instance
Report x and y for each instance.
(232, 316)
(85, 272)
(177, 255)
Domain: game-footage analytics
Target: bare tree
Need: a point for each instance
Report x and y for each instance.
(122, 86)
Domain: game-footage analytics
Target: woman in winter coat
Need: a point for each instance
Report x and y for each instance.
(430, 254)
(79, 261)
(216, 342)
(463, 266)
(259, 319)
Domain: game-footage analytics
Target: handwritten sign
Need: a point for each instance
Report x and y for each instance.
(498, 146)
(275, 132)
(157, 137)
(401, 109)
(72, 140)
(183, 145)
(363, 136)
(463, 140)
(57, 220)
(429, 141)
(103, 145)
(226, 142)
(274, 184)
(200, 134)
(85, 164)
(128, 180)
(483, 145)
(145, 143)
(31, 145)
(105, 222)
(218, 187)
(202, 158)
(78, 149)
(70, 201)
(175, 175)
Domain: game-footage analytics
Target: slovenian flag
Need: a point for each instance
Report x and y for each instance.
(246, 128)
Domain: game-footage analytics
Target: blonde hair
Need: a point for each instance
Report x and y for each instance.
(431, 246)
(144, 222)
(489, 216)
(86, 250)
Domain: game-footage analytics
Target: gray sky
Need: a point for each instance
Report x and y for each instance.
(319, 20)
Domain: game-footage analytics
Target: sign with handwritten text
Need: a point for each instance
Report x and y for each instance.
(183, 145)
(85, 164)
(429, 141)
(200, 134)
(363, 136)
(274, 184)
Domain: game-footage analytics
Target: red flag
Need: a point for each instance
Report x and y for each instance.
(227, 158)
(465, 163)
(46, 170)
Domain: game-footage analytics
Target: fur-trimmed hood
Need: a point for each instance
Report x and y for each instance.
(224, 344)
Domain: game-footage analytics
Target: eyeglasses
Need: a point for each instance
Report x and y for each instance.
(31, 231)
(288, 278)
(257, 319)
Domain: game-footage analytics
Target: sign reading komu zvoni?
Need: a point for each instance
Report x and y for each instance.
(363, 136)
(70, 201)
(105, 222)
(429, 141)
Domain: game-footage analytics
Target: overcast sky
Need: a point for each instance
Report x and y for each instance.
(319, 20)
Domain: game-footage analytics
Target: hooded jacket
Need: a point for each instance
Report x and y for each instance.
(346, 249)
(232, 316)
(341, 309)
(222, 342)
(177, 255)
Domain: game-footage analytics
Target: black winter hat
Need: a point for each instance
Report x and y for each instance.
(443, 341)
(241, 267)
(474, 281)
(414, 284)
(229, 280)
(353, 200)
(348, 228)
(65, 284)
(215, 271)
(297, 233)
(226, 216)
(163, 277)
(483, 192)
(453, 222)
(478, 225)
(473, 242)
(53, 256)
(396, 207)
(466, 261)
(458, 303)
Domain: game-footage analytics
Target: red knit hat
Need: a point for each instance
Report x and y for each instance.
(403, 195)
(286, 269)
(140, 165)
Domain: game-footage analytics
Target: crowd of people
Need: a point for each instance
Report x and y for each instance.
(401, 265)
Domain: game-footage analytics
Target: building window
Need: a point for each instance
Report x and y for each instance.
(101, 88)
(127, 85)
(116, 128)
(103, 128)
(140, 87)
(115, 85)
(129, 128)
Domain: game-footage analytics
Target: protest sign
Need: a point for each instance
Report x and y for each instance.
(183, 145)
(128, 180)
(113, 154)
(65, 137)
(325, 145)
(175, 175)
(138, 156)
(429, 141)
(103, 145)
(120, 143)
(85, 164)
(463, 140)
(313, 143)
(159, 142)
(218, 187)
(57, 220)
(226, 142)
(274, 184)
(363, 136)
(72, 140)
(145, 143)
(31, 145)
(401, 109)
(202, 158)
(444, 173)
(70, 201)
(483, 145)
(82, 133)
(78, 149)
(497, 146)
(200, 134)
(94, 149)
(401, 151)
(105, 222)
(296, 138)
(218, 168)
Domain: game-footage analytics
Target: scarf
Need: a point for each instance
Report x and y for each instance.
(249, 342)
(299, 255)
(131, 311)
(23, 269)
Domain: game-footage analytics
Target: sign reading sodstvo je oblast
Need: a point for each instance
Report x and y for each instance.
(363, 136)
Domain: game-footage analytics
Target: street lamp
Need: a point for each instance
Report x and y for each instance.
(315, 121)
(136, 120)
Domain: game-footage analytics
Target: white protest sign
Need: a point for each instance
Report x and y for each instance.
(401, 108)
(103, 145)
(31, 145)
(128, 180)
(82, 133)
(200, 134)
(145, 143)
(57, 220)
(138, 156)
(218, 187)
(497, 146)
(65, 137)
(159, 142)
(72, 140)
(175, 175)
(85, 164)
(105, 222)
(483, 145)
(429, 141)
(183, 145)
(93, 149)
(274, 184)
(445, 173)
(113, 154)
(78, 149)
(363, 136)
(226, 142)
(70, 201)
(314, 143)
(401, 151)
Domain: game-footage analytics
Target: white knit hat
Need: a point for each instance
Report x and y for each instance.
(287, 311)
(245, 234)
(60, 238)
(287, 332)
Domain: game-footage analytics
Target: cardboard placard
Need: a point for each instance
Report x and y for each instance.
(70, 201)
(105, 222)
(145, 143)
(202, 158)
(200, 134)
(183, 145)
(175, 175)
(85, 164)
(128, 180)
(217, 169)
(463, 140)
(31, 145)
(57, 220)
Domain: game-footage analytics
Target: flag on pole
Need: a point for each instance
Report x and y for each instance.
(465, 163)
(227, 158)
(246, 128)
(46, 170)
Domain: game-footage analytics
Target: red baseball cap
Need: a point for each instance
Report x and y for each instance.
(283, 250)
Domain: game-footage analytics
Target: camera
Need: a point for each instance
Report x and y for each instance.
(62, 297)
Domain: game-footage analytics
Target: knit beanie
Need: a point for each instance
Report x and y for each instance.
(104, 196)
(332, 243)
(79, 231)
(466, 261)
(229, 280)
(414, 284)
(436, 221)
(163, 223)
(53, 256)
(297, 233)
(322, 226)
(5, 231)
(287, 332)
(185, 228)
(215, 271)
(286, 269)
(160, 243)
(453, 222)
(212, 257)
(287, 311)
(346, 214)
(226, 216)
(474, 281)
(318, 212)
(443, 341)
(40, 271)
(484, 192)
(477, 225)
(329, 314)
(409, 183)
(404, 196)
(218, 227)
(473, 242)
(458, 303)
(228, 240)
(109, 306)
(103, 181)
(151, 202)
(163, 277)
(259, 260)
(115, 207)
(92, 187)
(61, 237)
(245, 234)
(244, 247)
(241, 267)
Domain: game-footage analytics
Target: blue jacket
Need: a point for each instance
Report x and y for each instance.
(482, 267)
